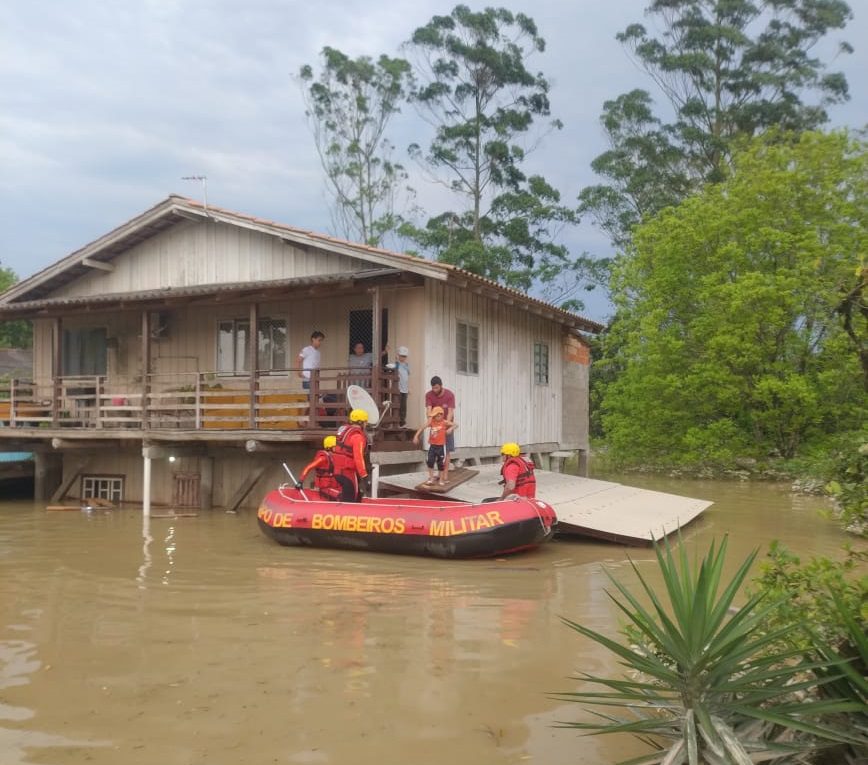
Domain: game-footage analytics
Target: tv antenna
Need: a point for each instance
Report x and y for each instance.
(204, 181)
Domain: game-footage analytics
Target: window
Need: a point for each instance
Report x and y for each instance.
(272, 344)
(232, 345)
(541, 364)
(361, 327)
(102, 487)
(84, 352)
(467, 348)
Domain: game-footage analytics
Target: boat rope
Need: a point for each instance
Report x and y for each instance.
(536, 507)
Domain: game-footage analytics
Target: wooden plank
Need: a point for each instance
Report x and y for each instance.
(74, 474)
(457, 476)
(585, 507)
(245, 488)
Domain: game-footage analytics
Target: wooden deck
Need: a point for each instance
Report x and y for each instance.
(585, 507)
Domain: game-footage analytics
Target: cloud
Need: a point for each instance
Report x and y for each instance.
(105, 106)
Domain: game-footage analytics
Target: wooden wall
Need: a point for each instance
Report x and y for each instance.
(501, 403)
(195, 253)
(190, 343)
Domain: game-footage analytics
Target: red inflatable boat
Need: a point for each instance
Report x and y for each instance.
(436, 528)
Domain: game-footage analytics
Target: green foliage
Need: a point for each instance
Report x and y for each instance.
(848, 482)
(349, 107)
(728, 69)
(18, 333)
(831, 597)
(474, 87)
(807, 592)
(708, 679)
(727, 341)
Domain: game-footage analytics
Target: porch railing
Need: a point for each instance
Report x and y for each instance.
(201, 401)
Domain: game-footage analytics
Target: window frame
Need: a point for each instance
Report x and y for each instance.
(538, 347)
(115, 486)
(467, 346)
(241, 370)
(86, 365)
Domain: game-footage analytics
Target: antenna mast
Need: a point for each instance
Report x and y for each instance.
(204, 180)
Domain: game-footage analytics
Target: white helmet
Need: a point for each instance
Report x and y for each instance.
(402, 350)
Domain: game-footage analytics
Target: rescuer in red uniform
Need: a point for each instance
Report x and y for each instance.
(351, 453)
(323, 467)
(517, 472)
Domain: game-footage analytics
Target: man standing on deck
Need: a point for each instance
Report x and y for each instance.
(309, 358)
(445, 399)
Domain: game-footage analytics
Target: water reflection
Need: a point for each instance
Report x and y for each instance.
(146, 550)
(248, 652)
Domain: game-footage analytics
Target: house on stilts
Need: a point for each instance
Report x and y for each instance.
(165, 354)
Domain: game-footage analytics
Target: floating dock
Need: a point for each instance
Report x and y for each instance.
(585, 507)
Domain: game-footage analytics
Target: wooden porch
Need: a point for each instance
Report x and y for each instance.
(197, 406)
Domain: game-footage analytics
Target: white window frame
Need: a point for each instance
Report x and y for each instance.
(239, 366)
(110, 487)
(538, 347)
(470, 363)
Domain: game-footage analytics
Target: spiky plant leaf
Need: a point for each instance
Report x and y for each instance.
(705, 676)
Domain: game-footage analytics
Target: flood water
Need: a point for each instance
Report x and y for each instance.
(197, 641)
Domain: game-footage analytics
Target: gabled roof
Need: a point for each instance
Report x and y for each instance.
(37, 289)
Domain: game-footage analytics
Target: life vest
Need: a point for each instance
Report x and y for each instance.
(344, 460)
(324, 478)
(525, 481)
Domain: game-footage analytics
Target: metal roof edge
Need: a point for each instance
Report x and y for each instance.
(74, 258)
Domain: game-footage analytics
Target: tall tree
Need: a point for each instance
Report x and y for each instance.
(350, 104)
(488, 109)
(728, 69)
(727, 332)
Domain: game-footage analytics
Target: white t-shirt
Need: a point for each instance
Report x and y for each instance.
(309, 360)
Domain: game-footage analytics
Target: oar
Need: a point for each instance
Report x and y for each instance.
(294, 482)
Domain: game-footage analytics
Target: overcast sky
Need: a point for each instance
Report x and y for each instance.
(106, 104)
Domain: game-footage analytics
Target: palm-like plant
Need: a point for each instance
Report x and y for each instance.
(707, 683)
(846, 669)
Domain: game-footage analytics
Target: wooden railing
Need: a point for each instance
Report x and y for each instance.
(273, 400)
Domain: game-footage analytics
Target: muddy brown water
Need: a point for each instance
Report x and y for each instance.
(197, 641)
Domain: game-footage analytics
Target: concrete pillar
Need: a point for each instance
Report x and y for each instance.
(583, 463)
(47, 475)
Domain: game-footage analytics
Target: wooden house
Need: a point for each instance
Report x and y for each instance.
(148, 384)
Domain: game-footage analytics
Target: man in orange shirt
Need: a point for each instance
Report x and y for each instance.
(438, 428)
(323, 466)
(517, 472)
(351, 452)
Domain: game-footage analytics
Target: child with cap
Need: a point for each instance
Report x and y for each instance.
(437, 430)
(403, 369)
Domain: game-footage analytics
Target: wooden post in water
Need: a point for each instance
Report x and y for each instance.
(376, 360)
(56, 369)
(146, 367)
(253, 361)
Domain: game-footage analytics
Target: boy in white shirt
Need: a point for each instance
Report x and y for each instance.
(309, 358)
